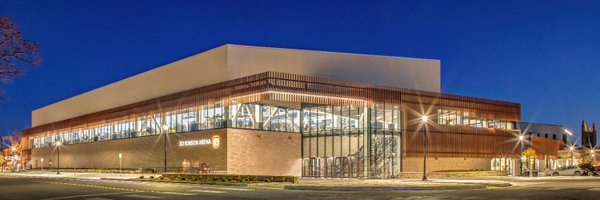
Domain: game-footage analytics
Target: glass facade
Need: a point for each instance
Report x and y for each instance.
(351, 142)
(471, 119)
(196, 118)
(503, 164)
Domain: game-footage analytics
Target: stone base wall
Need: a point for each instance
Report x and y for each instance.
(244, 152)
(142, 152)
(413, 164)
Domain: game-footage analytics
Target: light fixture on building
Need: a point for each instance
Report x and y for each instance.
(568, 132)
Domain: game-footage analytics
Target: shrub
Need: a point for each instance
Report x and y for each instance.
(142, 176)
(151, 177)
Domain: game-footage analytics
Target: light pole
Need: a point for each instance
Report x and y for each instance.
(521, 140)
(2, 149)
(165, 130)
(424, 119)
(58, 143)
(42, 164)
(120, 157)
(571, 149)
(14, 158)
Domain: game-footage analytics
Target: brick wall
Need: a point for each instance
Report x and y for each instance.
(263, 152)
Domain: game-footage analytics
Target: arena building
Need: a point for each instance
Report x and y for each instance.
(271, 111)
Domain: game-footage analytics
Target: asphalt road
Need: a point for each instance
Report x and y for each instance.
(49, 188)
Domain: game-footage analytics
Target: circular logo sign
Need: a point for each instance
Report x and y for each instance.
(216, 141)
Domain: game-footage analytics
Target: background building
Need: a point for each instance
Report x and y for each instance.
(588, 135)
(271, 111)
(548, 140)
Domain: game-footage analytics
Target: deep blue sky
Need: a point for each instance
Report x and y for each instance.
(542, 54)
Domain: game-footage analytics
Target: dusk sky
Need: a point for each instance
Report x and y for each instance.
(542, 54)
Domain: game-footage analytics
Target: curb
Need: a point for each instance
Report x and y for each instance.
(358, 188)
(389, 188)
(184, 182)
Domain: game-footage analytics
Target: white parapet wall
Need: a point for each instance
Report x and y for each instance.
(235, 61)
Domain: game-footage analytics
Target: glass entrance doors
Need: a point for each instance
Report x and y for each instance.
(351, 142)
(333, 167)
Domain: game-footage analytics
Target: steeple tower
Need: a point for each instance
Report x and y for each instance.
(588, 135)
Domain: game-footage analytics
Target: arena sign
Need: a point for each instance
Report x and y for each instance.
(214, 141)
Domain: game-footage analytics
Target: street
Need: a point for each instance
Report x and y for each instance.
(54, 188)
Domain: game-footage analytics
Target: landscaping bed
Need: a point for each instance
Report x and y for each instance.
(224, 178)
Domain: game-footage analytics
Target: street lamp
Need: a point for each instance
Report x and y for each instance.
(424, 119)
(165, 130)
(521, 140)
(42, 164)
(14, 158)
(571, 149)
(58, 143)
(120, 157)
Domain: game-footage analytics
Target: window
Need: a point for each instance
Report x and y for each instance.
(460, 118)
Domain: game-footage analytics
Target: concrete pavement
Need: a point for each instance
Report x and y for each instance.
(63, 187)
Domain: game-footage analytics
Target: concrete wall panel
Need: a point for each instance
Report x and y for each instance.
(235, 61)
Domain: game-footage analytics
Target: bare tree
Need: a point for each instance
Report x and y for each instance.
(13, 140)
(16, 53)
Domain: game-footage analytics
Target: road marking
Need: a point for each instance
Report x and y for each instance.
(141, 196)
(92, 186)
(98, 198)
(208, 191)
(88, 195)
(232, 189)
(594, 189)
(179, 193)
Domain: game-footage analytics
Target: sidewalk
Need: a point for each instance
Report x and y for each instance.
(393, 184)
(76, 175)
(319, 183)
